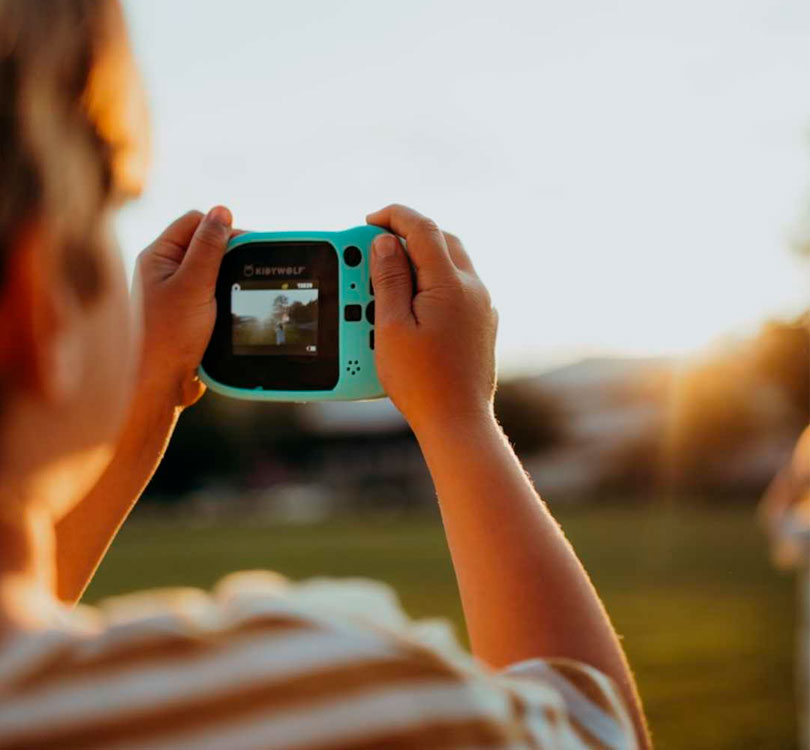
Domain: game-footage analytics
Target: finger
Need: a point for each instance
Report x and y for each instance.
(426, 245)
(173, 241)
(201, 263)
(458, 254)
(391, 276)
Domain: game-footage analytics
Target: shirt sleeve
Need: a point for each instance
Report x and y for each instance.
(588, 713)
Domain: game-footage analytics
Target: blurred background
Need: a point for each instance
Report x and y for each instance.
(631, 180)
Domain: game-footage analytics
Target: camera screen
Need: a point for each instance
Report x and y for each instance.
(275, 318)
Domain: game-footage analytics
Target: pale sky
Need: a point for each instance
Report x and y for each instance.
(626, 176)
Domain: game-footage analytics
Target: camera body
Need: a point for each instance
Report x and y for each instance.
(295, 318)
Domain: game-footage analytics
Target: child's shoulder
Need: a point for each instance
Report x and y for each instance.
(240, 608)
(255, 651)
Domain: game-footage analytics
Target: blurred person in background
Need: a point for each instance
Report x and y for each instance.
(87, 407)
(785, 509)
(785, 513)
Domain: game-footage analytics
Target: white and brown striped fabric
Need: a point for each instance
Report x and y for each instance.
(264, 664)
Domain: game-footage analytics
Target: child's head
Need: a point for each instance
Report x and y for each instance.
(71, 150)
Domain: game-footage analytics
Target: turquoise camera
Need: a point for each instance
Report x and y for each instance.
(295, 318)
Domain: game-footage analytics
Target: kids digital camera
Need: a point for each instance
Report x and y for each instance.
(295, 318)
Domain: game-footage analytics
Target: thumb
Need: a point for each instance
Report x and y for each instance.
(201, 262)
(391, 275)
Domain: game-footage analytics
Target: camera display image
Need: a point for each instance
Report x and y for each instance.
(275, 318)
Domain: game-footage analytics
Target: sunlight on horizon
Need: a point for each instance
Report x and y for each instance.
(626, 179)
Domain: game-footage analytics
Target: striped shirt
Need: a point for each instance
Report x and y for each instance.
(261, 663)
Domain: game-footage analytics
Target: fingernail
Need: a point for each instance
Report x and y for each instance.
(385, 245)
(221, 215)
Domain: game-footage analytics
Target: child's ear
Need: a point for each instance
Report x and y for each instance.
(40, 337)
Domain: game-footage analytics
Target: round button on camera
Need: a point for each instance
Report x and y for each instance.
(352, 256)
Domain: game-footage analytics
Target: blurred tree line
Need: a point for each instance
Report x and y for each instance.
(239, 443)
(221, 440)
(720, 417)
(531, 417)
(723, 415)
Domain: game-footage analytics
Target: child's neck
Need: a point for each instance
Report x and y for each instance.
(27, 567)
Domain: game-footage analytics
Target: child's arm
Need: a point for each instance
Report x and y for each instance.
(525, 593)
(175, 281)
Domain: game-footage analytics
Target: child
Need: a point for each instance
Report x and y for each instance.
(88, 408)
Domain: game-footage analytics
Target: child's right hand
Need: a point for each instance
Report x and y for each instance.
(175, 280)
(435, 348)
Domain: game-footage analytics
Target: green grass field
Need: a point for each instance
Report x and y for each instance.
(707, 624)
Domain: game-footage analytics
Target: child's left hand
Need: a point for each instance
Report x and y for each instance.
(175, 280)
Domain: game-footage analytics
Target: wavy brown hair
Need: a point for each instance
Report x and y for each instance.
(72, 125)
